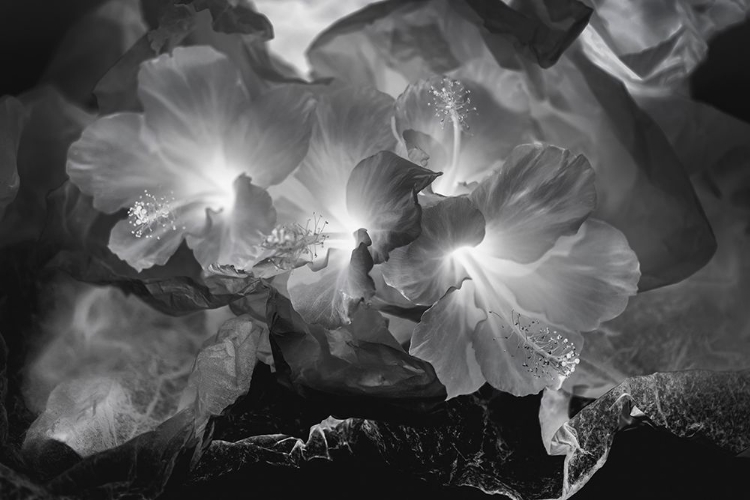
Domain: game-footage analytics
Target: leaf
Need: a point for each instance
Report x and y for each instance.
(489, 442)
(702, 406)
(539, 29)
(700, 323)
(52, 125)
(232, 28)
(12, 120)
(223, 369)
(656, 48)
(93, 45)
(110, 368)
(237, 17)
(139, 468)
(359, 368)
(420, 39)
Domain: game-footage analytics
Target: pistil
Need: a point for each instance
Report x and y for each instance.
(452, 103)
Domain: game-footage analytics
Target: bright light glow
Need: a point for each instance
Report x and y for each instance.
(462, 253)
(223, 177)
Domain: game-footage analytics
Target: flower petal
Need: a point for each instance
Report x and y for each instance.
(114, 162)
(331, 295)
(539, 195)
(523, 356)
(192, 100)
(351, 125)
(424, 270)
(582, 281)
(274, 139)
(444, 338)
(381, 194)
(235, 235)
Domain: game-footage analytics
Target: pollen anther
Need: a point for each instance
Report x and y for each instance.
(151, 213)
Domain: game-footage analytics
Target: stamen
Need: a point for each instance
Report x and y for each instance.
(290, 242)
(150, 213)
(545, 349)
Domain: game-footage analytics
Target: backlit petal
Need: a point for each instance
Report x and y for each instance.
(351, 125)
(540, 194)
(444, 338)
(426, 269)
(523, 356)
(273, 139)
(114, 161)
(156, 246)
(583, 280)
(192, 100)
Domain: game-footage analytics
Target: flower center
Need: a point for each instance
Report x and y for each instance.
(452, 104)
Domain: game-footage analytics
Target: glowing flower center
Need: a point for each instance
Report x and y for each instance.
(290, 242)
(452, 103)
(151, 213)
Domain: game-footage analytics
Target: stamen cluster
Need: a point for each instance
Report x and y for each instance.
(149, 213)
(452, 103)
(291, 242)
(545, 349)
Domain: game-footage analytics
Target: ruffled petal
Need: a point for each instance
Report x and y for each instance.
(351, 125)
(444, 338)
(235, 235)
(540, 194)
(274, 138)
(381, 194)
(582, 281)
(426, 269)
(192, 100)
(331, 295)
(523, 356)
(115, 162)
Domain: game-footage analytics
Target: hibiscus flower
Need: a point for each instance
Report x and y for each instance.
(195, 165)
(364, 192)
(513, 270)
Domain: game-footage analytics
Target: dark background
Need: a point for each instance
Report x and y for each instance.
(644, 463)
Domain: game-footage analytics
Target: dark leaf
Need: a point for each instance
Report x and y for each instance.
(539, 29)
(359, 364)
